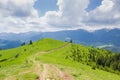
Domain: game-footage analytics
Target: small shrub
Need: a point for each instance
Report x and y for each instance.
(17, 55)
(75, 75)
(23, 44)
(94, 67)
(66, 57)
(3, 60)
(30, 42)
(25, 49)
(101, 67)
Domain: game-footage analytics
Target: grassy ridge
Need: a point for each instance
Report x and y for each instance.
(14, 65)
(78, 70)
(19, 66)
(24, 52)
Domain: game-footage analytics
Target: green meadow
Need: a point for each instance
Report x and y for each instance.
(49, 59)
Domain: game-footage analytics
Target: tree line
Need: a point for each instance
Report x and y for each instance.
(30, 42)
(97, 58)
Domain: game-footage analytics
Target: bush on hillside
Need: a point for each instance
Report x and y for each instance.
(23, 44)
(3, 60)
(30, 42)
(17, 55)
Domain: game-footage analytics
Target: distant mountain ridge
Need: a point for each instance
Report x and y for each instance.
(21, 36)
(96, 38)
(12, 40)
(6, 44)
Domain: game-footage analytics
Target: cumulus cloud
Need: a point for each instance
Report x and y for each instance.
(21, 16)
(17, 8)
(16, 14)
(73, 15)
(106, 6)
(70, 13)
(107, 14)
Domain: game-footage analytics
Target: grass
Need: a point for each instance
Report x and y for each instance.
(12, 66)
(22, 68)
(25, 51)
(78, 70)
(27, 76)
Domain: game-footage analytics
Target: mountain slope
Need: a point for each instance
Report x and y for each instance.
(46, 59)
(6, 44)
(97, 38)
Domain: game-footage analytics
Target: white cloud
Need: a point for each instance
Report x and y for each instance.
(106, 6)
(16, 14)
(20, 16)
(17, 8)
(69, 15)
(107, 14)
(72, 15)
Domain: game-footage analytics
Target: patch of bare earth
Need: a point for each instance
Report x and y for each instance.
(51, 72)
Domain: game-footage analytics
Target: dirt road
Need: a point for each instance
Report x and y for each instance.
(50, 72)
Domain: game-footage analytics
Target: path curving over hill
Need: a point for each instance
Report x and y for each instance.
(49, 71)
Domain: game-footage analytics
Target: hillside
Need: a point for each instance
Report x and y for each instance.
(97, 38)
(103, 37)
(49, 59)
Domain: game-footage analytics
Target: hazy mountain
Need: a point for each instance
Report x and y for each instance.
(12, 40)
(96, 38)
(81, 36)
(24, 37)
(6, 44)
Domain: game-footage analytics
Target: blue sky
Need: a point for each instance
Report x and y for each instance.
(45, 5)
(93, 4)
(51, 5)
(55, 15)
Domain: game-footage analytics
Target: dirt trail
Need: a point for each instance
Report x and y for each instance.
(52, 50)
(51, 72)
(48, 71)
(42, 75)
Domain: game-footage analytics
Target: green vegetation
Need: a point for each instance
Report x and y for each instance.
(97, 58)
(28, 76)
(23, 44)
(27, 62)
(30, 42)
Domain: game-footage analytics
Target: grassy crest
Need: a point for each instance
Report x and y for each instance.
(27, 62)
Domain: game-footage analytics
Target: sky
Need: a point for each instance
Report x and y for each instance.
(54, 15)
